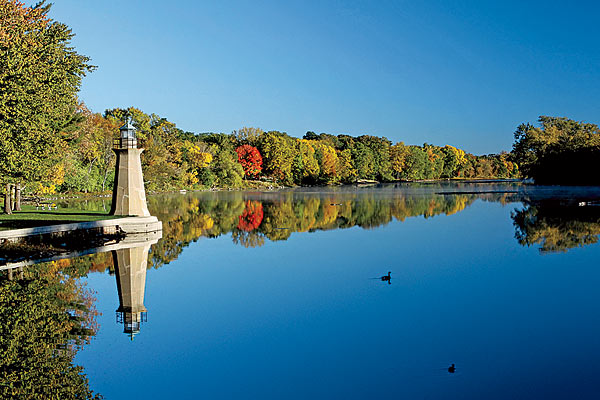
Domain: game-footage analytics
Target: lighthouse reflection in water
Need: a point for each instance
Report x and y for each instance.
(131, 261)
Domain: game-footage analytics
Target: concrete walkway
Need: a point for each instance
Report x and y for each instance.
(127, 225)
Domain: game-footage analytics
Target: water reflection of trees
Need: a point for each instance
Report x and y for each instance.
(557, 226)
(253, 218)
(46, 317)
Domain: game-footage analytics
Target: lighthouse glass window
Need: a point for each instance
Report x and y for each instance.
(127, 134)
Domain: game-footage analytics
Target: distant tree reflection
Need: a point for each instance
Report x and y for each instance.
(248, 239)
(251, 218)
(557, 226)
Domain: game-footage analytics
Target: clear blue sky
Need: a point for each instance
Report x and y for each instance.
(464, 73)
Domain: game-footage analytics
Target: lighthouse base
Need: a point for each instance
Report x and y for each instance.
(129, 195)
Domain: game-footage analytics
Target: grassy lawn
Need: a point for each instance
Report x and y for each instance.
(30, 217)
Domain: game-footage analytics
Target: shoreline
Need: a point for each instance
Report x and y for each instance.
(274, 188)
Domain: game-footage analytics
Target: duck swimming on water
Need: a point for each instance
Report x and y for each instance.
(387, 278)
(452, 369)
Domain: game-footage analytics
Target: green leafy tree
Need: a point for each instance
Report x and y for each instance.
(398, 154)
(327, 159)
(163, 158)
(380, 156)
(248, 135)
(559, 151)
(364, 161)
(278, 152)
(417, 164)
(140, 120)
(306, 167)
(227, 171)
(346, 169)
(454, 158)
(436, 161)
(89, 161)
(40, 74)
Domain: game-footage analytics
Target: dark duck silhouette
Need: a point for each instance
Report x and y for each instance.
(387, 278)
(452, 369)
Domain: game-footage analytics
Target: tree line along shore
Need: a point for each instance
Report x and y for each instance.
(50, 142)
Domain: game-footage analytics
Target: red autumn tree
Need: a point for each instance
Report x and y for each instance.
(251, 217)
(250, 159)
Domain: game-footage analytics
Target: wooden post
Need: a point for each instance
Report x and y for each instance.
(7, 199)
(13, 192)
(18, 197)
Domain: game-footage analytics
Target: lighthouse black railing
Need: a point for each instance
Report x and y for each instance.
(125, 143)
(123, 317)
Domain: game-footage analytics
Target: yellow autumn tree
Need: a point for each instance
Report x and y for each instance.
(328, 161)
(398, 154)
(198, 156)
(277, 150)
(346, 169)
(310, 165)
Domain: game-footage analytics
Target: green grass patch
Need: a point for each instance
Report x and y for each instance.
(30, 217)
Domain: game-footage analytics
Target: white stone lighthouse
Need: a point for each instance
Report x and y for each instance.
(129, 196)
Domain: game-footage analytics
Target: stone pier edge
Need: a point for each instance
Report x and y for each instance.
(127, 225)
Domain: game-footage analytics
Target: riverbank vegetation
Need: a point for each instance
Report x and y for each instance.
(559, 151)
(174, 159)
(50, 142)
(40, 75)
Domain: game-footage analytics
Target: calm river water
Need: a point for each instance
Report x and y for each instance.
(280, 295)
